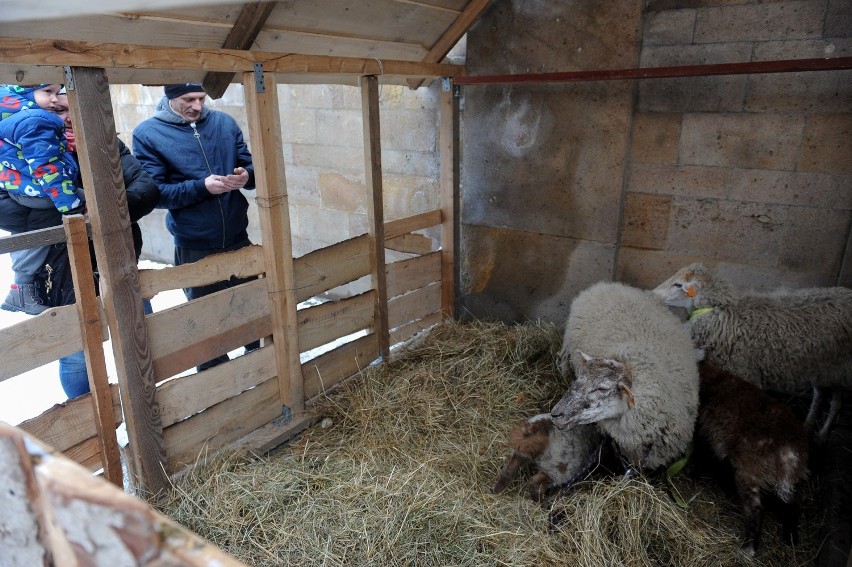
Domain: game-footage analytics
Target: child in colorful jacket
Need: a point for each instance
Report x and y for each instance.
(37, 172)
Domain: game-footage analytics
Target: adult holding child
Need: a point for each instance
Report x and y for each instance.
(200, 161)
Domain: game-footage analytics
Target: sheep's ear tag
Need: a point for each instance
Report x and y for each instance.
(631, 401)
(689, 290)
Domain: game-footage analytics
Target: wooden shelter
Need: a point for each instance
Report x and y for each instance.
(259, 398)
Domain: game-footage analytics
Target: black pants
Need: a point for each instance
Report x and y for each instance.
(189, 255)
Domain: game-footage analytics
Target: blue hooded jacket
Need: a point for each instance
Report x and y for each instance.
(179, 157)
(34, 161)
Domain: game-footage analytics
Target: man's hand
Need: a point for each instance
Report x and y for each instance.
(218, 184)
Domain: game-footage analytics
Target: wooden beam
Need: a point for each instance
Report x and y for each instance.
(114, 55)
(274, 213)
(106, 199)
(375, 207)
(448, 141)
(242, 36)
(453, 34)
(88, 310)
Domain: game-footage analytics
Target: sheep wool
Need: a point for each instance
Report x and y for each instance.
(637, 375)
(786, 340)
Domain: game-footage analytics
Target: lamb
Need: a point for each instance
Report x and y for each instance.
(640, 382)
(560, 455)
(761, 438)
(785, 340)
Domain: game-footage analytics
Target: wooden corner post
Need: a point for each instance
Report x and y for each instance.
(375, 207)
(106, 201)
(261, 92)
(448, 137)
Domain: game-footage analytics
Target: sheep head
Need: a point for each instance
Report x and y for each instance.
(686, 288)
(601, 391)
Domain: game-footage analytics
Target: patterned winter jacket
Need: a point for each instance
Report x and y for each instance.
(34, 160)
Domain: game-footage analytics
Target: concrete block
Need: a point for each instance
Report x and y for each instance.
(310, 96)
(646, 269)
(791, 188)
(693, 94)
(299, 125)
(803, 49)
(426, 97)
(670, 55)
(328, 226)
(646, 221)
(517, 276)
(814, 240)
(763, 278)
(826, 144)
(657, 5)
(668, 27)
(337, 127)
(655, 137)
(765, 141)
(838, 20)
(727, 230)
(814, 91)
(406, 195)
(424, 164)
(341, 193)
(409, 130)
(303, 186)
(346, 159)
(689, 181)
(760, 22)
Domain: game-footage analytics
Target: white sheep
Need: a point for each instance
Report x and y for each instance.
(787, 340)
(763, 441)
(560, 455)
(636, 374)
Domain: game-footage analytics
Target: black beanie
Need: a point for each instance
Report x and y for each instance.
(178, 89)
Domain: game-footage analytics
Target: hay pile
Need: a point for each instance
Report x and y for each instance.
(402, 472)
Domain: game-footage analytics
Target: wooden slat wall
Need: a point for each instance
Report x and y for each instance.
(39, 340)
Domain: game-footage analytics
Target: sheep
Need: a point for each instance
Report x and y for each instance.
(560, 455)
(765, 443)
(640, 382)
(785, 340)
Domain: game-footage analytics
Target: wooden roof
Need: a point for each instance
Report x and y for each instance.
(163, 41)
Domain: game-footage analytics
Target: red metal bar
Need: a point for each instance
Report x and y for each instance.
(783, 66)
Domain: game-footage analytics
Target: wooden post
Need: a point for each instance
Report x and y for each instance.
(106, 201)
(375, 207)
(88, 310)
(274, 212)
(448, 136)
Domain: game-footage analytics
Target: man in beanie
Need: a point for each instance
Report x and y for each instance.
(200, 161)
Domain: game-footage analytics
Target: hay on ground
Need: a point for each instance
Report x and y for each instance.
(402, 472)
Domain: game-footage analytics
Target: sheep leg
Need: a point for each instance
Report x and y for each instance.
(752, 513)
(816, 402)
(833, 410)
(790, 520)
(538, 485)
(508, 472)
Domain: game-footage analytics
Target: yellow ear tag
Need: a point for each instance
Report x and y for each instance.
(690, 291)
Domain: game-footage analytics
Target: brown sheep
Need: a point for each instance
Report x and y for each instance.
(766, 445)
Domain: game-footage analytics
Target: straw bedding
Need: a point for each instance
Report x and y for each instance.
(400, 467)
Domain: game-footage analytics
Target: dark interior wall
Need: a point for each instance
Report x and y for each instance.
(567, 184)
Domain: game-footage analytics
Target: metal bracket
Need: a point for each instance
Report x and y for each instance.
(259, 85)
(69, 78)
(446, 84)
(286, 414)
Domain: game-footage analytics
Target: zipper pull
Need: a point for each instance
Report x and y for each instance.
(195, 131)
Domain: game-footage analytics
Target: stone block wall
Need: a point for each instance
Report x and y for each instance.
(565, 184)
(324, 158)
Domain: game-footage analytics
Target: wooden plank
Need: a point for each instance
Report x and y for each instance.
(31, 239)
(329, 369)
(330, 321)
(414, 273)
(246, 28)
(88, 310)
(267, 437)
(332, 266)
(39, 340)
(415, 305)
(410, 244)
(405, 332)
(70, 423)
(448, 145)
(274, 213)
(375, 207)
(99, 55)
(106, 199)
(191, 333)
(188, 395)
(454, 33)
(412, 223)
(222, 424)
(242, 263)
(87, 454)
